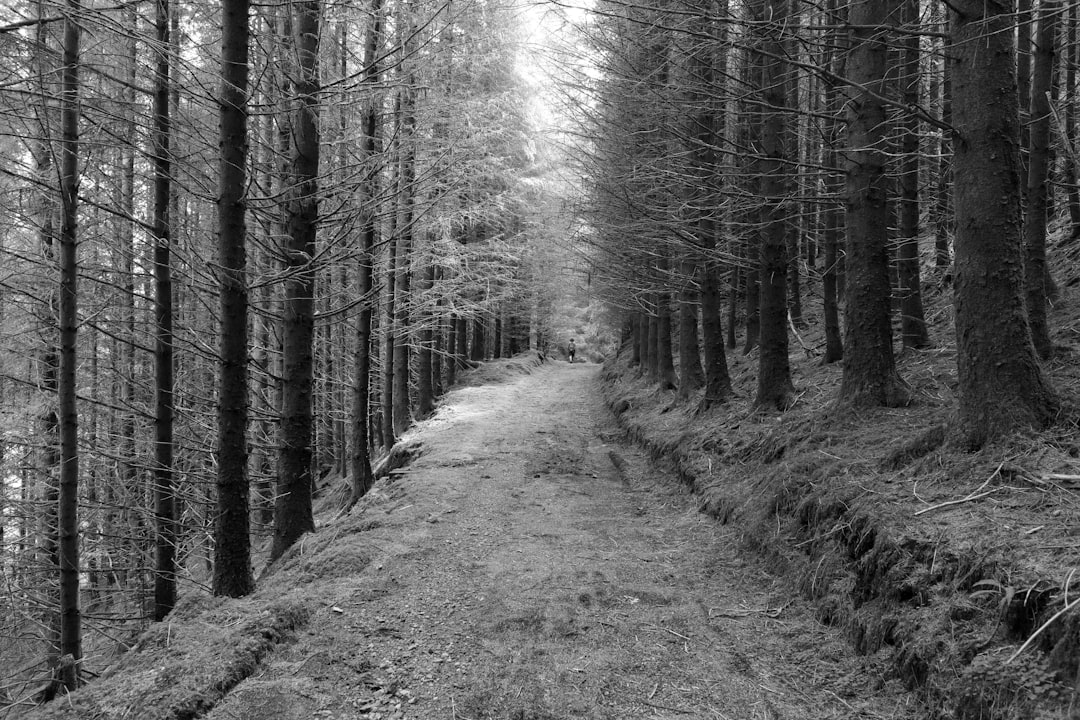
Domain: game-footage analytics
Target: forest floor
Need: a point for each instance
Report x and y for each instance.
(955, 569)
(528, 564)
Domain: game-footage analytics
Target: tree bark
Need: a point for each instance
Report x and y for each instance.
(400, 407)
(389, 342)
(869, 376)
(665, 361)
(944, 224)
(710, 61)
(68, 519)
(1001, 384)
(1037, 215)
(691, 374)
(232, 545)
(834, 346)
(362, 476)
(912, 319)
(1069, 56)
(292, 509)
(425, 393)
(774, 388)
(164, 491)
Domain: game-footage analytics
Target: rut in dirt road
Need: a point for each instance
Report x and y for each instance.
(515, 572)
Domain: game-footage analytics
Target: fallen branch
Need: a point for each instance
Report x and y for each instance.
(1042, 627)
(1062, 478)
(973, 495)
(807, 349)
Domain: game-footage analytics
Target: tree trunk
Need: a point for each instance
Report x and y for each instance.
(735, 277)
(710, 62)
(362, 477)
(478, 349)
(292, 509)
(1037, 215)
(774, 388)
(68, 518)
(751, 289)
(912, 319)
(943, 210)
(461, 332)
(870, 376)
(652, 342)
(400, 406)
(691, 374)
(1025, 21)
(665, 361)
(644, 324)
(438, 338)
(451, 351)
(834, 346)
(1070, 55)
(164, 492)
(389, 342)
(1001, 385)
(425, 393)
(232, 545)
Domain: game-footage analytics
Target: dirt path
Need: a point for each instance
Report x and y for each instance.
(513, 572)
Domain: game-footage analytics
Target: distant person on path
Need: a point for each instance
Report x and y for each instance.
(570, 350)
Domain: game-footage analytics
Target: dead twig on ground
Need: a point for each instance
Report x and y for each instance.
(974, 495)
(766, 611)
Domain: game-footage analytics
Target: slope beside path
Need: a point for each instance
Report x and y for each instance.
(526, 565)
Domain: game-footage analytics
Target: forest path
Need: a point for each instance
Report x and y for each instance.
(513, 572)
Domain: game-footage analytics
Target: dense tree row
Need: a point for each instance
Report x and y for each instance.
(746, 149)
(245, 247)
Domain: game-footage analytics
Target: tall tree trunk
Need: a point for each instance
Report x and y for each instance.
(665, 360)
(425, 394)
(710, 61)
(652, 356)
(642, 318)
(292, 510)
(438, 345)
(362, 477)
(774, 388)
(1070, 55)
(461, 357)
(796, 230)
(752, 293)
(402, 417)
(164, 492)
(389, 342)
(130, 481)
(1037, 215)
(400, 407)
(478, 348)
(870, 376)
(1025, 22)
(834, 346)
(735, 278)
(232, 544)
(451, 351)
(912, 319)
(68, 518)
(691, 374)
(45, 486)
(944, 221)
(717, 378)
(1001, 384)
